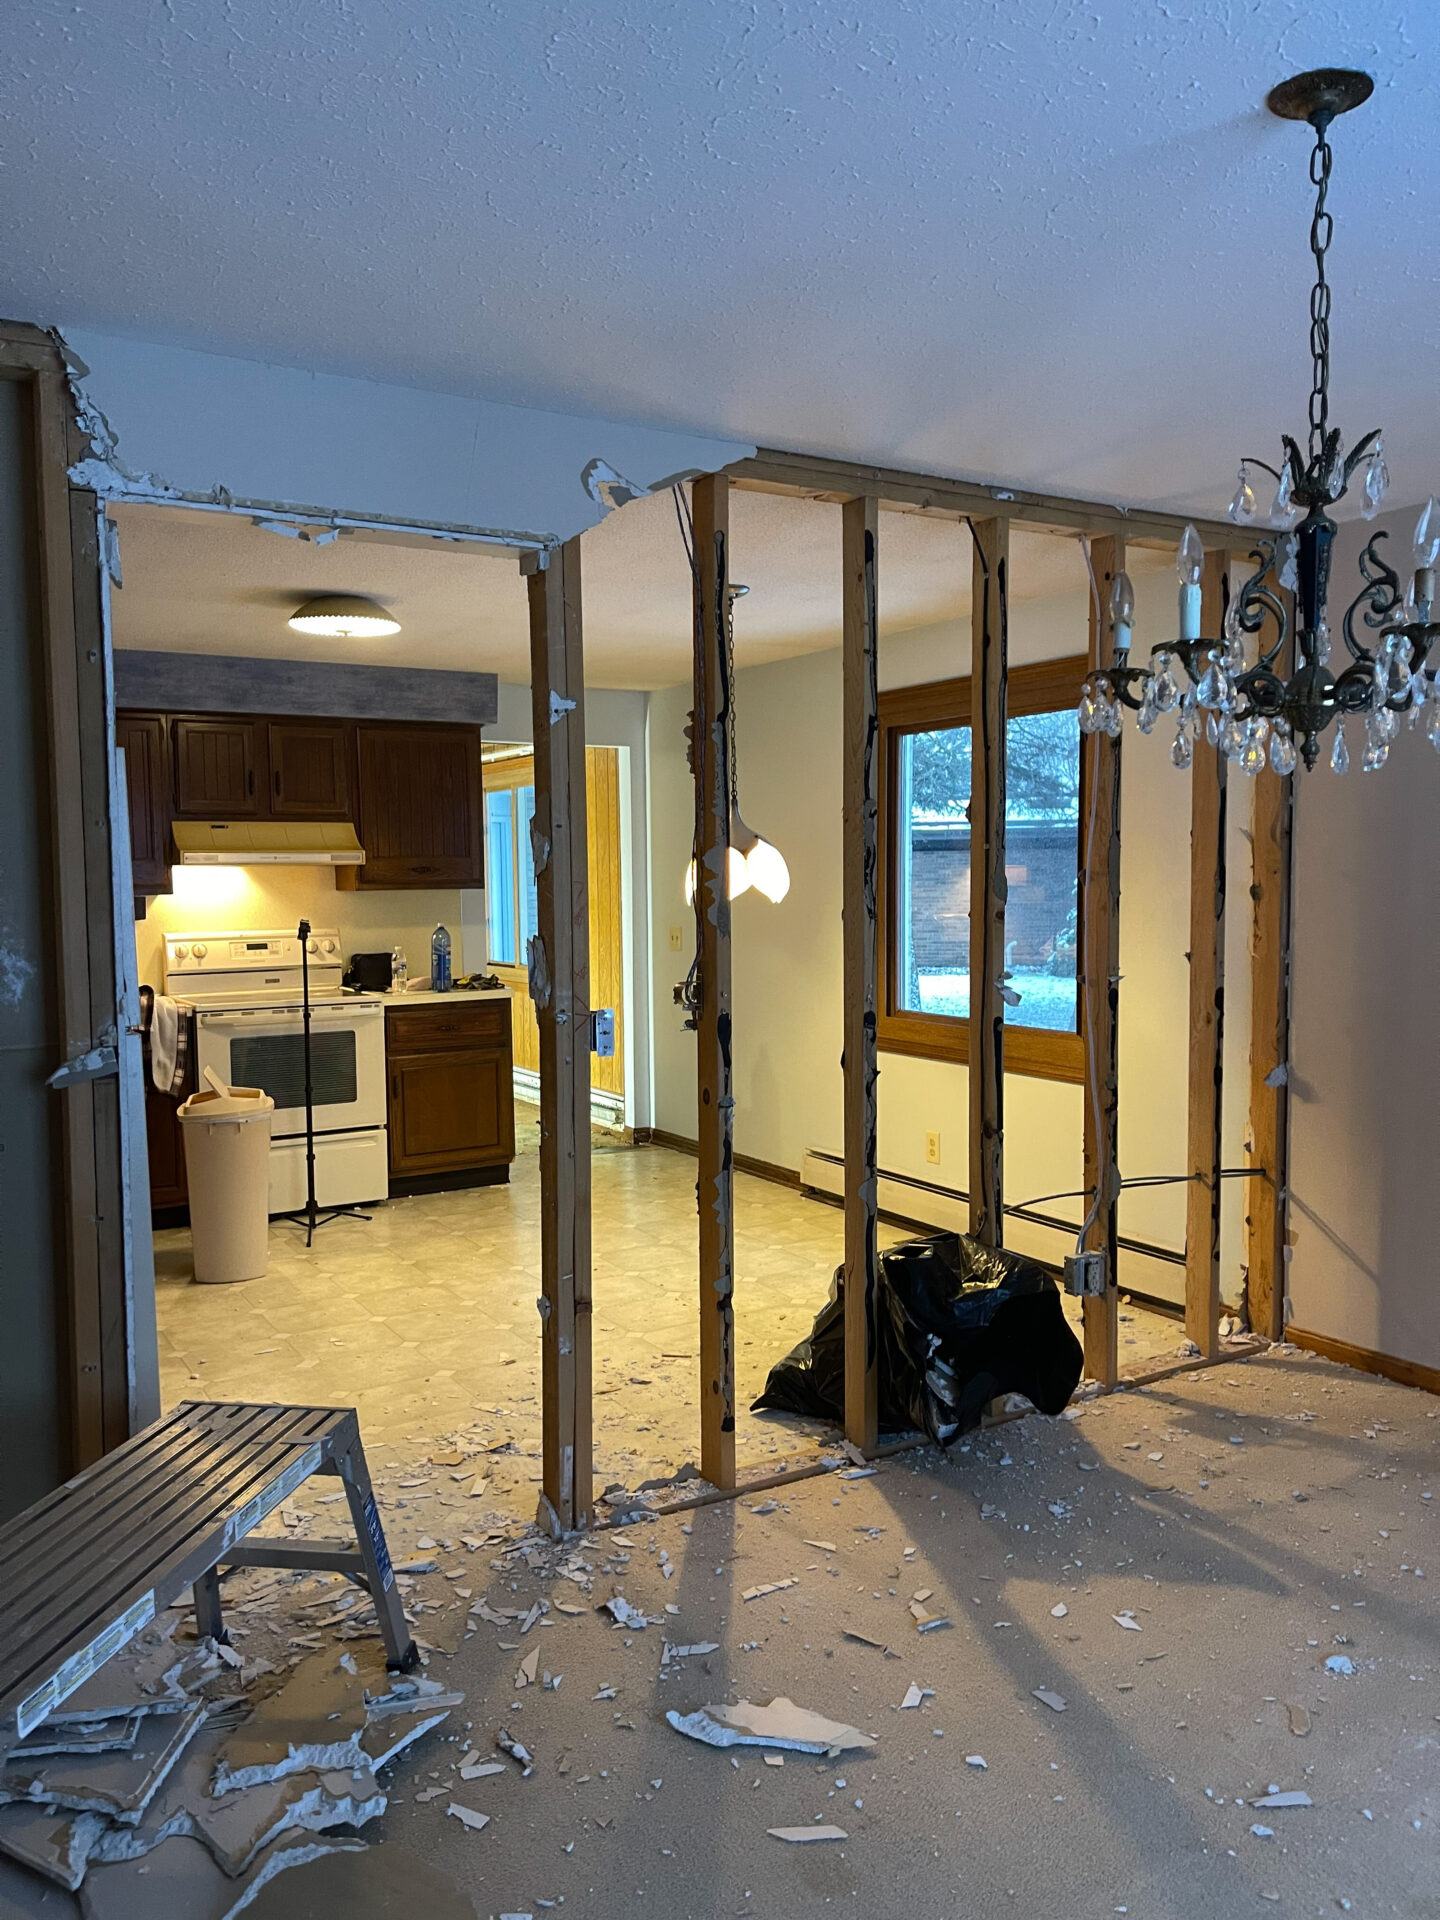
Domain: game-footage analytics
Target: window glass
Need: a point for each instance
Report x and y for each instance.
(1042, 855)
(500, 878)
(525, 805)
(275, 1062)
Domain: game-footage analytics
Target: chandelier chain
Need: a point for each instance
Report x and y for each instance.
(1321, 228)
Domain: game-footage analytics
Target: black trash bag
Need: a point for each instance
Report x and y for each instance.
(957, 1324)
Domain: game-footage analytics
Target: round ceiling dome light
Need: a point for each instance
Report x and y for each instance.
(344, 616)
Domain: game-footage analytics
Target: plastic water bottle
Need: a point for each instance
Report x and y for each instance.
(440, 960)
(399, 970)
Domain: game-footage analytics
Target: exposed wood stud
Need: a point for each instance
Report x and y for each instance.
(716, 1185)
(1208, 796)
(1100, 984)
(560, 988)
(989, 649)
(1266, 1143)
(861, 963)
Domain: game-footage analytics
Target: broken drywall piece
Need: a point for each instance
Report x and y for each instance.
(1293, 1797)
(467, 1816)
(388, 1735)
(146, 1677)
(1055, 1701)
(805, 1836)
(978, 1762)
(52, 1843)
(925, 1621)
(526, 1676)
(115, 1735)
(507, 1744)
(118, 1784)
(1340, 1663)
(1059, 1610)
(608, 488)
(1299, 1718)
(240, 1827)
(693, 1651)
(482, 1770)
(823, 1546)
(780, 1724)
(179, 1877)
(477, 1487)
(863, 1640)
(312, 1724)
(914, 1695)
(1126, 1620)
(559, 707)
(622, 1613)
(773, 1586)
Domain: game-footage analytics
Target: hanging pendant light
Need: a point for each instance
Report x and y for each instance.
(1257, 712)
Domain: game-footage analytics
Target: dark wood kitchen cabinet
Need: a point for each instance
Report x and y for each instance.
(219, 769)
(452, 1095)
(421, 808)
(169, 1187)
(412, 790)
(309, 769)
(144, 738)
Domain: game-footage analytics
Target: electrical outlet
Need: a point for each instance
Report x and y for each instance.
(932, 1149)
(1085, 1274)
(677, 939)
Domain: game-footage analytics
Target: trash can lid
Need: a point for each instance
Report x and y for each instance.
(239, 1104)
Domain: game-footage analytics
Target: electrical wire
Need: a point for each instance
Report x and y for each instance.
(1145, 1180)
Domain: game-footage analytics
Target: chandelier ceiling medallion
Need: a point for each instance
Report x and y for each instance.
(1270, 707)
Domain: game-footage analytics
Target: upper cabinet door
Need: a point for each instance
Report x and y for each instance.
(220, 768)
(309, 769)
(146, 745)
(421, 808)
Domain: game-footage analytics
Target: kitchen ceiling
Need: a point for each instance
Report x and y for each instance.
(201, 582)
(1037, 241)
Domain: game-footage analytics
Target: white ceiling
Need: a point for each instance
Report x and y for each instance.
(1043, 241)
(198, 582)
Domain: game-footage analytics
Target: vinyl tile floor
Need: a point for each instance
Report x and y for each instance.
(425, 1315)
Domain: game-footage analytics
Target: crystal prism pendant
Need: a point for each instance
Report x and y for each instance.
(1211, 690)
(1086, 713)
(1149, 710)
(1340, 753)
(1232, 740)
(1252, 753)
(1113, 721)
(1166, 686)
(1283, 511)
(1244, 507)
(1289, 575)
(1181, 751)
(1212, 728)
(1282, 749)
(1377, 742)
(1432, 721)
(1377, 481)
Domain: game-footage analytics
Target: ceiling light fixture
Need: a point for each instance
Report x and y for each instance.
(344, 616)
(1269, 709)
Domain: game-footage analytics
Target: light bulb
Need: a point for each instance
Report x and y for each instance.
(1427, 534)
(767, 870)
(737, 875)
(1122, 611)
(1190, 557)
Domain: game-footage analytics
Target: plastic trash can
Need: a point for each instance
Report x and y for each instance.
(227, 1165)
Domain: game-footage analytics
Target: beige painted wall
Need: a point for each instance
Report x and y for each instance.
(216, 898)
(1365, 1053)
(787, 959)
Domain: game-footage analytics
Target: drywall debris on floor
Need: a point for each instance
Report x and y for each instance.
(780, 1724)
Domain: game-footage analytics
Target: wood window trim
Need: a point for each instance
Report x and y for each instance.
(1034, 1051)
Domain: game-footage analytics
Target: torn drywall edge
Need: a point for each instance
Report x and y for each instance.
(169, 424)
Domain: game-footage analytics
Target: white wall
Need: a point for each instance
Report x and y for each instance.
(1365, 1041)
(787, 959)
(170, 423)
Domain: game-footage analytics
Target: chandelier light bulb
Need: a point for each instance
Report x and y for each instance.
(737, 878)
(769, 875)
(1427, 534)
(1122, 611)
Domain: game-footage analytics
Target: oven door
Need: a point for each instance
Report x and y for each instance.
(265, 1047)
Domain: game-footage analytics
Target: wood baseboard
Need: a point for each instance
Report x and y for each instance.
(744, 1162)
(1407, 1373)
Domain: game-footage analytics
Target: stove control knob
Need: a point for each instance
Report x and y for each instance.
(312, 946)
(329, 946)
(200, 952)
(182, 953)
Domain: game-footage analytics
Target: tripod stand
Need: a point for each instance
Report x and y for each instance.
(310, 1213)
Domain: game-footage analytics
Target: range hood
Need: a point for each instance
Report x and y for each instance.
(267, 843)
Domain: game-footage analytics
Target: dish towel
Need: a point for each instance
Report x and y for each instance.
(169, 1037)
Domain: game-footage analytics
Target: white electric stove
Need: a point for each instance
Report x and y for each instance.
(245, 991)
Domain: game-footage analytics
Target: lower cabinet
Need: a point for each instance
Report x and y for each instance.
(169, 1189)
(452, 1097)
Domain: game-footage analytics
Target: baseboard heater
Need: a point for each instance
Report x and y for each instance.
(606, 1109)
(911, 1202)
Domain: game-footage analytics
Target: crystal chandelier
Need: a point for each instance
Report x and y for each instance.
(1266, 708)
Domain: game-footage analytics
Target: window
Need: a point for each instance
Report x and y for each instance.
(925, 829)
(509, 870)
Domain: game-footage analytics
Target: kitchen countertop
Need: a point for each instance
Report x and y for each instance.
(427, 997)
